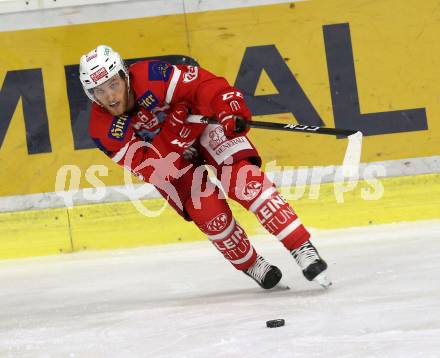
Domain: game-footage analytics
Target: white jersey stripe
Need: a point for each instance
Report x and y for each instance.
(121, 153)
(223, 234)
(244, 259)
(289, 229)
(260, 199)
(173, 84)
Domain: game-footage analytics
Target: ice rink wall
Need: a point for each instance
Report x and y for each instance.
(373, 66)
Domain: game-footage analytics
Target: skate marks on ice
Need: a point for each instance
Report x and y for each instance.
(170, 302)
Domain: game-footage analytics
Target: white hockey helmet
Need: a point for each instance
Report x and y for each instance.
(98, 66)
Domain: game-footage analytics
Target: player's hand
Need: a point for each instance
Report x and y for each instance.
(175, 120)
(176, 133)
(232, 112)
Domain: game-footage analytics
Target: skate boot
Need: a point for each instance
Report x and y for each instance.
(312, 265)
(263, 273)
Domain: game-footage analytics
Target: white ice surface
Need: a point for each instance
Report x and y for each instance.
(186, 301)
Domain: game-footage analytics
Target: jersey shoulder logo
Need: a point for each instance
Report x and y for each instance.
(159, 71)
(119, 127)
(148, 100)
(191, 74)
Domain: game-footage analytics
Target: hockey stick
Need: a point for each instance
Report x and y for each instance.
(280, 126)
(350, 165)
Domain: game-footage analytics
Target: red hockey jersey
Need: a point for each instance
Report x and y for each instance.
(157, 85)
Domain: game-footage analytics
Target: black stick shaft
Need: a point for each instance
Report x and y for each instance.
(291, 127)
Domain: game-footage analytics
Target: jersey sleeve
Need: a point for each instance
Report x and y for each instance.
(196, 86)
(158, 83)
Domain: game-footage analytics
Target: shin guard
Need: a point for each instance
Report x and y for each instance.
(214, 218)
(253, 190)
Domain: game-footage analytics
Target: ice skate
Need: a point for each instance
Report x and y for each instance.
(312, 265)
(263, 273)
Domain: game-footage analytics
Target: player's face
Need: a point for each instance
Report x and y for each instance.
(113, 95)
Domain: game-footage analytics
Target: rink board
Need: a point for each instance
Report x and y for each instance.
(120, 225)
(393, 66)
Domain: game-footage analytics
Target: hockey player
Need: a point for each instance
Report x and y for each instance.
(138, 119)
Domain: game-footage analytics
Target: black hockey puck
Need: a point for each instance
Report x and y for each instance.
(274, 323)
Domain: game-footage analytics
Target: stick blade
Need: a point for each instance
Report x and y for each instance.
(352, 158)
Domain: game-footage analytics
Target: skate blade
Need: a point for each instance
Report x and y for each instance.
(281, 287)
(323, 280)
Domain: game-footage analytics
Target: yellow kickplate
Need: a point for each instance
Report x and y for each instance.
(118, 225)
(407, 198)
(34, 233)
(121, 225)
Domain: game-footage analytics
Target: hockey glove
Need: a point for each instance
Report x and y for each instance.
(232, 112)
(177, 134)
(175, 120)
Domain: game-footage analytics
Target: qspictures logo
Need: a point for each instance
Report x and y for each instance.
(293, 184)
